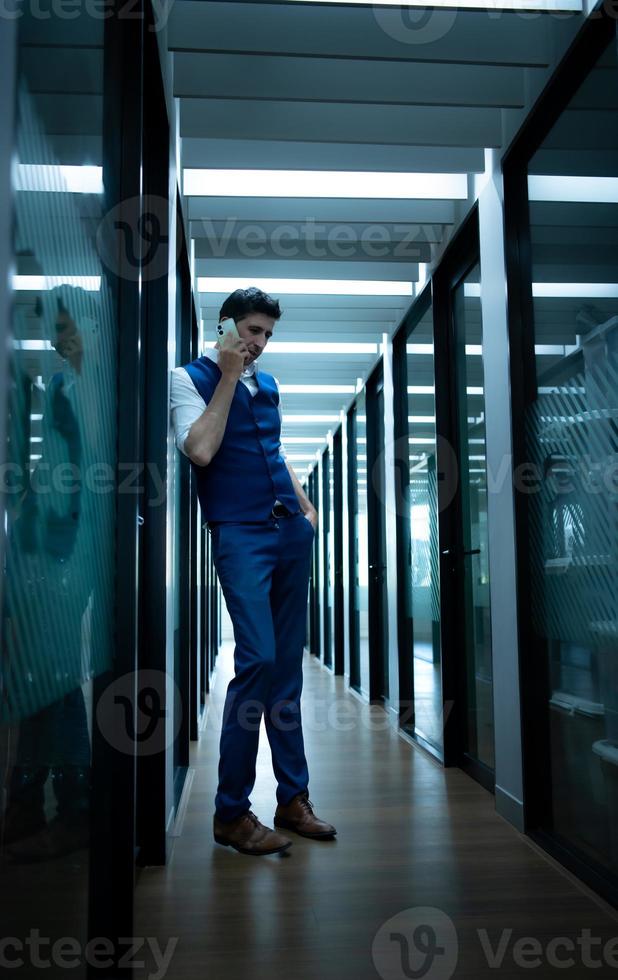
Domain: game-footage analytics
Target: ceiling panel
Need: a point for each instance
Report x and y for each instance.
(292, 86)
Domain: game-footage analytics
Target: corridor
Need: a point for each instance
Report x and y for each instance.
(410, 835)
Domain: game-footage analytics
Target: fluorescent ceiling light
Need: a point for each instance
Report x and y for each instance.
(317, 440)
(429, 390)
(309, 418)
(300, 347)
(419, 348)
(471, 349)
(57, 178)
(563, 390)
(552, 350)
(324, 183)
(561, 290)
(580, 190)
(421, 418)
(41, 283)
(316, 389)
(314, 287)
(307, 347)
(550, 5)
(583, 290)
(420, 440)
(32, 345)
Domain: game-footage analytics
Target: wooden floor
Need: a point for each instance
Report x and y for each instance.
(410, 836)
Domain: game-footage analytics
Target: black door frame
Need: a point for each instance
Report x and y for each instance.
(327, 633)
(597, 33)
(376, 545)
(338, 638)
(351, 463)
(462, 254)
(153, 647)
(405, 623)
(112, 871)
(316, 630)
(184, 642)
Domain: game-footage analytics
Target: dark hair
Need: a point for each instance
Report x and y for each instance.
(252, 300)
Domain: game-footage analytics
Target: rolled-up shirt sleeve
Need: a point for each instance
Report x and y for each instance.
(282, 451)
(186, 405)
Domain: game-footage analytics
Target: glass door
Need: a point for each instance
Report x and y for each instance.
(473, 566)
(69, 576)
(564, 342)
(337, 526)
(378, 632)
(460, 410)
(327, 556)
(358, 538)
(314, 581)
(420, 680)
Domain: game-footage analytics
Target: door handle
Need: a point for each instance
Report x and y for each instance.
(451, 551)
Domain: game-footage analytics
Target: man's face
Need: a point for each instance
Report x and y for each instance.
(256, 329)
(68, 341)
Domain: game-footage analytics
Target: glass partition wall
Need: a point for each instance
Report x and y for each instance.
(417, 516)
(66, 775)
(562, 211)
(477, 726)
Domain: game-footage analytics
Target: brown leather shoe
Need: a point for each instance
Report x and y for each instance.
(247, 835)
(298, 815)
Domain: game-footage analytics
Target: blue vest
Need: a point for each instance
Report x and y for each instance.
(247, 474)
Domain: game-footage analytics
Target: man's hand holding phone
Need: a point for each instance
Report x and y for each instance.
(232, 350)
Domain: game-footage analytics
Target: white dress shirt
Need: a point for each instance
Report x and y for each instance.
(186, 403)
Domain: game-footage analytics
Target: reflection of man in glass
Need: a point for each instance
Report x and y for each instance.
(48, 590)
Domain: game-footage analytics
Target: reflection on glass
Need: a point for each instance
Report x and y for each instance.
(57, 615)
(572, 439)
(424, 597)
(473, 475)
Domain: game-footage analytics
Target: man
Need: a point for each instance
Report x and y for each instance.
(262, 529)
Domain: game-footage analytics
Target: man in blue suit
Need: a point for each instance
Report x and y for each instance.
(227, 418)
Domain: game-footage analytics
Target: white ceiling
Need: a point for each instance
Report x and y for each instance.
(302, 86)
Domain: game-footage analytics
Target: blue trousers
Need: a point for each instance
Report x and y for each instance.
(264, 574)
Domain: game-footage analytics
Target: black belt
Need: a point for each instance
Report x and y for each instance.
(278, 511)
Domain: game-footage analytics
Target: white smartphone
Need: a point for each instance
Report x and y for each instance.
(227, 327)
